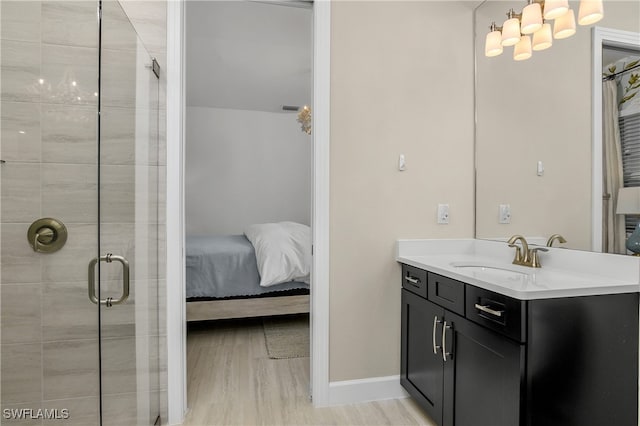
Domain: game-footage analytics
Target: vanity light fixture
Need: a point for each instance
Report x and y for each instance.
(564, 26)
(531, 18)
(493, 43)
(555, 8)
(590, 11)
(532, 30)
(543, 38)
(511, 29)
(522, 50)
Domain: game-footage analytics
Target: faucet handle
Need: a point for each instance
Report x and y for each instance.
(535, 259)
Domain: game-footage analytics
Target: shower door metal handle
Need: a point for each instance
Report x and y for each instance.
(109, 301)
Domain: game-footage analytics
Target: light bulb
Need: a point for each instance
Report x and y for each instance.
(590, 12)
(522, 50)
(565, 25)
(493, 44)
(555, 8)
(542, 39)
(510, 32)
(531, 18)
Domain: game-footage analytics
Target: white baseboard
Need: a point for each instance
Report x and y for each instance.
(365, 390)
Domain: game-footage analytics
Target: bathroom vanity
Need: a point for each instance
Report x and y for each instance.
(486, 343)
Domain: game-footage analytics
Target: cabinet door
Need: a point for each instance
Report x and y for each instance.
(421, 368)
(483, 379)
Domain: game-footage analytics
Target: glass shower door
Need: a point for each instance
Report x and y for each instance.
(49, 349)
(79, 338)
(128, 222)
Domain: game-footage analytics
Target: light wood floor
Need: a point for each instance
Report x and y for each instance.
(232, 381)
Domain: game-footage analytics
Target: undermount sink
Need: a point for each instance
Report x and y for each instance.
(504, 271)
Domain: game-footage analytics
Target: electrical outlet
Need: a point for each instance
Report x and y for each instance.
(443, 213)
(505, 213)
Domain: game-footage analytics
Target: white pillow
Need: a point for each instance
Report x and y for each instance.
(283, 251)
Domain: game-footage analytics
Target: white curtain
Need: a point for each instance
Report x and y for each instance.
(614, 235)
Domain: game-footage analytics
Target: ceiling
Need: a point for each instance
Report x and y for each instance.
(248, 55)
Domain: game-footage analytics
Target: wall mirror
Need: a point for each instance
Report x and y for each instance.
(534, 128)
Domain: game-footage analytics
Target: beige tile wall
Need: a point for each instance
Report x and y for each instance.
(49, 350)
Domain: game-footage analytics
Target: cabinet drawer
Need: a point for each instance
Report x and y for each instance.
(446, 292)
(497, 312)
(414, 280)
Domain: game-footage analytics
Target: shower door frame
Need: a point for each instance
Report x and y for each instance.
(144, 278)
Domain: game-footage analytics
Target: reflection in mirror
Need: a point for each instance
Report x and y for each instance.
(534, 133)
(620, 143)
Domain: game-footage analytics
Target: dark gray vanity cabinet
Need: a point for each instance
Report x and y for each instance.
(422, 368)
(484, 373)
(480, 377)
(490, 360)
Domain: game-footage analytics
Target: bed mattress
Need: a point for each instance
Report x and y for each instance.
(225, 266)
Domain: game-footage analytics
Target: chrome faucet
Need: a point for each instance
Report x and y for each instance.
(554, 237)
(525, 256)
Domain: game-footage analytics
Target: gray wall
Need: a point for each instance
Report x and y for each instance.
(245, 167)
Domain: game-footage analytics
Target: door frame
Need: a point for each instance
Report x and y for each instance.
(601, 37)
(176, 309)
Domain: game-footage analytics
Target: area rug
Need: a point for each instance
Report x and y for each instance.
(287, 336)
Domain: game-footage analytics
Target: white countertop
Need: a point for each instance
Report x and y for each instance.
(487, 264)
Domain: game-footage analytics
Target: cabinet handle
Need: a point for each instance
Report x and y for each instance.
(412, 280)
(489, 310)
(444, 341)
(436, 321)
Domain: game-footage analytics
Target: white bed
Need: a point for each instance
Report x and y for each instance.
(264, 272)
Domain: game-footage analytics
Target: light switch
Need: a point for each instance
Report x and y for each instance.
(540, 169)
(443, 213)
(505, 213)
(402, 165)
